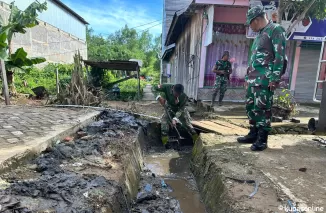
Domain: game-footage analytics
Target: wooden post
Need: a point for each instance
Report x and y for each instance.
(321, 127)
(138, 72)
(57, 80)
(5, 82)
(87, 73)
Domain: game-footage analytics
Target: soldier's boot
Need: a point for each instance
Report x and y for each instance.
(220, 100)
(213, 99)
(251, 137)
(261, 142)
(165, 140)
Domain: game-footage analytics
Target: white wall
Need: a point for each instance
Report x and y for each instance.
(57, 17)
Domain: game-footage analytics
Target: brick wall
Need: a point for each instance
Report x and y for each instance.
(47, 41)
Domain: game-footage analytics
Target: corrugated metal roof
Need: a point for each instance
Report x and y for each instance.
(179, 21)
(169, 9)
(114, 65)
(168, 51)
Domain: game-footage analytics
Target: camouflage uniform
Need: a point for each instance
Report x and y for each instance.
(177, 110)
(265, 67)
(221, 81)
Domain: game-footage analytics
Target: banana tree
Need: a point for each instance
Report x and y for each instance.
(18, 22)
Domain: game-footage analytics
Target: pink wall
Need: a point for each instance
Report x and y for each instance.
(222, 14)
(224, 2)
(230, 15)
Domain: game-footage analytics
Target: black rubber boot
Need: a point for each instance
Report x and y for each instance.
(213, 99)
(251, 137)
(261, 143)
(220, 100)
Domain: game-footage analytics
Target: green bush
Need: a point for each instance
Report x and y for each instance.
(285, 100)
(128, 90)
(46, 77)
(131, 85)
(42, 77)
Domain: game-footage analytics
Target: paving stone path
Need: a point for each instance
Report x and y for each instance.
(22, 124)
(148, 94)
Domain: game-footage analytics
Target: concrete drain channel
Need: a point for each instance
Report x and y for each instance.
(115, 164)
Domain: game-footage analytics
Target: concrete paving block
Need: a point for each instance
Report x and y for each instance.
(16, 133)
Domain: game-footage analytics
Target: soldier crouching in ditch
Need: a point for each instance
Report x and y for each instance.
(175, 102)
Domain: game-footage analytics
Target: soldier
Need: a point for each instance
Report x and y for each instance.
(223, 69)
(267, 64)
(175, 101)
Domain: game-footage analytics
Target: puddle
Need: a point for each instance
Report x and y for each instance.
(188, 198)
(173, 167)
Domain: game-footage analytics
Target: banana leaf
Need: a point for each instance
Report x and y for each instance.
(19, 60)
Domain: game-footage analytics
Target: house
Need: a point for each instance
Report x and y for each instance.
(60, 33)
(200, 33)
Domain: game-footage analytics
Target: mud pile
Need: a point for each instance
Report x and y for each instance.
(57, 189)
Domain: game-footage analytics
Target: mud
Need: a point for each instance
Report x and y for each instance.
(84, 174)
(53, 187)
(167, 184)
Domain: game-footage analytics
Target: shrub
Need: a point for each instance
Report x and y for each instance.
(42, 77)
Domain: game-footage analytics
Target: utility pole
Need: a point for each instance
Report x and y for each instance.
(5, 82)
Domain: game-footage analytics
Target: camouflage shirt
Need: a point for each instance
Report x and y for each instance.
(176, 105)
(224, 65)
(268, 55)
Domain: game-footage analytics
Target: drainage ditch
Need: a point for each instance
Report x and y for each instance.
(116, 164)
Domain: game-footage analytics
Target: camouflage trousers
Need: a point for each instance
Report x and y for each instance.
(259, 106)
(221, 83)
(185, 120)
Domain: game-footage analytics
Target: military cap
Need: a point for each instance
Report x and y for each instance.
(226, 53)
(254, 13)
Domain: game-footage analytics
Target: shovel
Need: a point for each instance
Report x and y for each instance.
(176, 129)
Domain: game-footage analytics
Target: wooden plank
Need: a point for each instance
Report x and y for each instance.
(203, 126)
(225, 129)
(228, 129)
(240, 130)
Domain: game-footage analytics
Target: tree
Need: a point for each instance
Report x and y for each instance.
(17, 23)
(126, 44)
(300, 9)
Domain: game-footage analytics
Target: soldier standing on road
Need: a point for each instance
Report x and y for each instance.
(175, 101)
(223, 69)
(267, 64)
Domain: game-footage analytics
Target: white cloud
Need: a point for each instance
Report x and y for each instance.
(115, 14)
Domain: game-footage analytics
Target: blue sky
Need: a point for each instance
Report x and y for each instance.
(107, 16)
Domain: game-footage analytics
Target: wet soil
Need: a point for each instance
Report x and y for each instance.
(167, 174)
(83, 173)
(76, 175)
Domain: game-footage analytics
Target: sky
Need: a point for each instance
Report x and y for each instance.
(108, 16)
